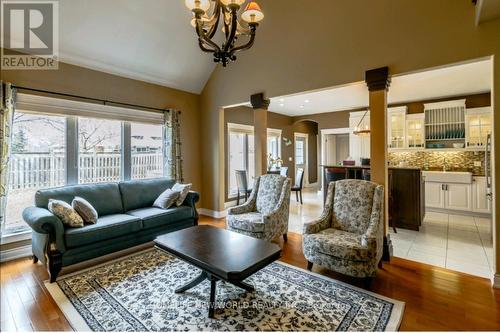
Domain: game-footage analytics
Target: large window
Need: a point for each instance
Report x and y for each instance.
(240, 154)
(74, 146)
(147, 150)
(99, 150)
(38, 160)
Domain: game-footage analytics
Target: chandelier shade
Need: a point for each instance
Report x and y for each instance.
(238, 29)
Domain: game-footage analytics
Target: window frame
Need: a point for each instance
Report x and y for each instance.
(248, 130)
(241, 129)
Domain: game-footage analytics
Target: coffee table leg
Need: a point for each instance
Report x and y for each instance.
(199, 279)
(211, 305)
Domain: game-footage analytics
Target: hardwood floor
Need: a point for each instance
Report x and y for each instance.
(436, 298)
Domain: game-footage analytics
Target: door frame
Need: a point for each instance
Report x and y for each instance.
(306, 155)
(324, 133)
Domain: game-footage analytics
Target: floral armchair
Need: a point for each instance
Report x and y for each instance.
(265, 214)
(348, 237)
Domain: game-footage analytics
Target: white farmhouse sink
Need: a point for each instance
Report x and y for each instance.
(448, 177)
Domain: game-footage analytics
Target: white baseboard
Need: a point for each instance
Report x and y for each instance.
(496, 281)
(15, 253)
(212, 213)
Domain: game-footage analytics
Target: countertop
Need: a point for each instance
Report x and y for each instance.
(402, 168)
(367, 167)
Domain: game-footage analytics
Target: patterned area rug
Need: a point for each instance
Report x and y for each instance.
(136, 293)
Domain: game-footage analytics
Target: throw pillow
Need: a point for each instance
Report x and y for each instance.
(65, 213)
(166, 199)
(184, 189)
(85, 210)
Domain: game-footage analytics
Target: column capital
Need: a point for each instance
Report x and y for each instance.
(259, 102)
(378, 79)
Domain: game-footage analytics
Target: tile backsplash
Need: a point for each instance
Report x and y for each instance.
(455, 160)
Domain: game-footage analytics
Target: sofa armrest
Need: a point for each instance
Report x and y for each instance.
(191, 199)
(247, 207)
(41, 220)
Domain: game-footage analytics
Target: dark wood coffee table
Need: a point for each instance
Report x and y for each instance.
(220, 254)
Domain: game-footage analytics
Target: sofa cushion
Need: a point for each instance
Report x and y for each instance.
(107, 227)
(85, 210)
(68, 216)
(137, 194)
(167, 199)
(104, 197)
(251, 222)
(339, 244)
(154, 217)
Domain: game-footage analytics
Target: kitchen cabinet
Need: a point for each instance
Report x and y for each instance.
(434, 195)
(396, 127)
(478, 123)
(480, 201)
(415, 131)
(458, 197)
(449, 196)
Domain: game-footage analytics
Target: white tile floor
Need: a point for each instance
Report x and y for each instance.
(458, 242)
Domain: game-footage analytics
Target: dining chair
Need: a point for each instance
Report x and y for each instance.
(242, 185)
(297, 188)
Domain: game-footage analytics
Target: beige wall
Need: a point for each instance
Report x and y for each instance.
(80, 81)
(328, 43)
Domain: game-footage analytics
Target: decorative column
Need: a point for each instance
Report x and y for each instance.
(378, 82)
(260, 105)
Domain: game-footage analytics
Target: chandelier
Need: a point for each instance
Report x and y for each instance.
(208, 14)
(359, 131)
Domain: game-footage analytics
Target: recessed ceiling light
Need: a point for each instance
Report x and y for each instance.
(282, 105)
(302, 106)
(282, 100)
(306, 101)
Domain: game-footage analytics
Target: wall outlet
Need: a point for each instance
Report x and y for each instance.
(478, 163)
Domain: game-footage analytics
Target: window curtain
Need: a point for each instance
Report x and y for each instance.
(172, 151)
(7, 96)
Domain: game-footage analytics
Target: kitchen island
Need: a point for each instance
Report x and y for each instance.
(406, 191)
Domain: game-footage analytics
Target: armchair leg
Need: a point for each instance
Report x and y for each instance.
(309, 266)
(297, 196)
(285, 237)
(238, 198)
(35, 259)
(301, 197)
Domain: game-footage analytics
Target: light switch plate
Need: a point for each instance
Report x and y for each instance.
(478, 163)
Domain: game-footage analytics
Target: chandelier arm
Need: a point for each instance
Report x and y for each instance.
(204, 48)
(248, 44)
(203, 37)
(234, 25)
(226, 26)
(213, 28)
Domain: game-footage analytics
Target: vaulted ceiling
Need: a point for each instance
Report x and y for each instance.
(148, 40)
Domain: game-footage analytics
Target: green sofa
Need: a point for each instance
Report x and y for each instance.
(126, 219)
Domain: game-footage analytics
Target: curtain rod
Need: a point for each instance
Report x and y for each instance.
(90, 98)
